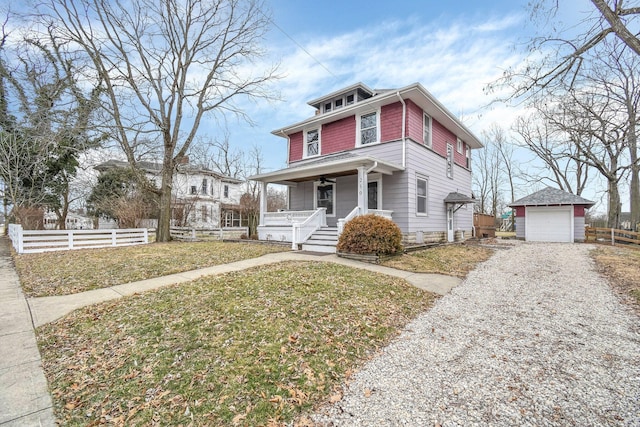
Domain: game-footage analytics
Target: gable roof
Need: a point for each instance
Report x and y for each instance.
(551, 196)
(415, 92)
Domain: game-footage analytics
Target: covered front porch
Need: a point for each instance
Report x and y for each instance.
(322, 196)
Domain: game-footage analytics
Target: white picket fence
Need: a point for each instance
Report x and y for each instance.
(32, 241)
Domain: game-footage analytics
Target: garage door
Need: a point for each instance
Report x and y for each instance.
(549, 224)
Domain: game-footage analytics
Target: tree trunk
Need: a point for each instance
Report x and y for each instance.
(613, 219)
(163, 234)
(634, 191)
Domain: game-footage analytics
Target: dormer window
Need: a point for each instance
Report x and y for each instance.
(350, 99)
(312, 143)
(338, 103)
(327, 107)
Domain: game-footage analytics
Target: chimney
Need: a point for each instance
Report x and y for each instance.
(184, 160)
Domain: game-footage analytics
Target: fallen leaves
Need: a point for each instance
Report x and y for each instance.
(219, 351)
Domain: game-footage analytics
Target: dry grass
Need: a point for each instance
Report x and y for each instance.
(453, 260)
(68, 272)
(622, 266)
(258, 347)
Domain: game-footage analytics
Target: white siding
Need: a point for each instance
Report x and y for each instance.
(424, 162)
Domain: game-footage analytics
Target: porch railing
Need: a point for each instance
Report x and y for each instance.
(303, 230)
(286, 217)
(342, 221)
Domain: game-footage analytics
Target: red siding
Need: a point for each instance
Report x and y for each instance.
(391, 122)
(338, 136)
(441, 136)
(520, 211)
(578, 210)
(414, 122)
(295, 146)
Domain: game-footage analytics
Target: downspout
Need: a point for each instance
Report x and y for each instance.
(404, 130)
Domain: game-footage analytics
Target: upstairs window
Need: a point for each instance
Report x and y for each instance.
(194, 189)
(312, 143)
(350, 99)
(204, 186)
(459, 145)
(369, 128)
(226, 191)
(426, 130)
(327, 107)
(468, 157)
(338, 103)
(449, 161)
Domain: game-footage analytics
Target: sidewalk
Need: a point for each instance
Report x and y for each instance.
(24, 397)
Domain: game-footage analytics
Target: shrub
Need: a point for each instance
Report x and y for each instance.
(370, 234)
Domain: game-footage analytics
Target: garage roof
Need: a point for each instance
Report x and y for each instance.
(552, 197)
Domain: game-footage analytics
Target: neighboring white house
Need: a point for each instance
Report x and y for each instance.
(74, 221)
(202, 198)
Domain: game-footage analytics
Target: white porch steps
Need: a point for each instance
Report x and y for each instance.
(323, 240)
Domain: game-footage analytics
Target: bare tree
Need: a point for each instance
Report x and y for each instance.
(489, 167)
(166, 65)
(562, 164)
(558, 56)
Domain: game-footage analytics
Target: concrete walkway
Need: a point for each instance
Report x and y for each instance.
(24, 397)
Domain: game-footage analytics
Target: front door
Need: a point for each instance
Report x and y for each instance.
(450, 235)
(372, 195)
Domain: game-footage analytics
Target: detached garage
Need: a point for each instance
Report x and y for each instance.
(551, 215)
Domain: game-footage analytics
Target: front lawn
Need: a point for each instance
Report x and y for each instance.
(69, 272)
(257, 347)
(454, 260)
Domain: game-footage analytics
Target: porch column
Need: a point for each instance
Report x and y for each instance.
(263, 201)
(362, 189)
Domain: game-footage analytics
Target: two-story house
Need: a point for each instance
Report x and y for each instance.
(395, 152)
(201, 198)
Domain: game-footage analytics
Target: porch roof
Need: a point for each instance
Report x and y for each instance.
(327, 167)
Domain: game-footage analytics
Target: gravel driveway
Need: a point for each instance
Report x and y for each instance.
(534, 336)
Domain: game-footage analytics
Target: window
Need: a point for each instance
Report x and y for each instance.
(325, 197)
(468, 157)
(450, 161)
(327, 107)
(194, 189)
(426, 129)
(204, 186)
(369, 128)
(226, 191)
(312, 143)
(421, 195)
(204, 213)
(338, 103)
(459, 145)
(350, 99)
